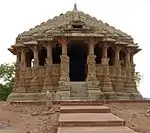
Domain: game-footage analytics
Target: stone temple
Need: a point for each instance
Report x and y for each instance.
(74, 56)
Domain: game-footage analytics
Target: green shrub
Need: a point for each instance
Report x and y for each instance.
(5, 90)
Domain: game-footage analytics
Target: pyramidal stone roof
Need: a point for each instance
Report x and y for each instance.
(60, 24)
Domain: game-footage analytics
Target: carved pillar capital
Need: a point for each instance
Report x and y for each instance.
(64, 42)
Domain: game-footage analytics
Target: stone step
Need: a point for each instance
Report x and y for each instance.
(89, 120)
(78, 98)
(84, 109)
(116, 129)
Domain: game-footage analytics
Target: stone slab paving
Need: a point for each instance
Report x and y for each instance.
(79, 121)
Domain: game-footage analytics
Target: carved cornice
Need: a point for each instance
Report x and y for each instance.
(107, 39)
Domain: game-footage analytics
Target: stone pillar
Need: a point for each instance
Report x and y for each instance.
(64, 66)
(18, 59)
(130, 84)
(35, 81)
(107, 84)
(117, 59)
(127, 60)
(49, 55)
(91, 75)
(17, 74)
(36, 57)
(64, 82)
(92, 82)
(48, 76)
(131, 59)
(118, 80)
(23, 58)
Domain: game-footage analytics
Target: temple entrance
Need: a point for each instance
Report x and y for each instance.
(77, 52)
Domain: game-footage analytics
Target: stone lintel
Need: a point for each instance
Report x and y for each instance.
(31, 43)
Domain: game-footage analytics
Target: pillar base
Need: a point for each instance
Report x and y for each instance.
(109, 95)
(63, 92)
(94, 92)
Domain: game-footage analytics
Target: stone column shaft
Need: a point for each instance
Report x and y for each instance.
(64, 48)
(127, 60)
(91, 48)
(17, 57)
(117, 59)
(36, 57)
(48, 76)
(105, 60)
(23, 58)
(49, 55)
(104, 51)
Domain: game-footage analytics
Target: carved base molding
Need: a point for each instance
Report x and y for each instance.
(130, 86)
(118, 85)
(19, 86)
(128, 96)
(94, 90)
(63, 92)
(36, 85)
(47, 84)
(106, 85)
(26, 97)
(65, 95)
(109, 95)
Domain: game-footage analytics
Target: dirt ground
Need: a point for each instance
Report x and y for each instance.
(136, 115)
(39, 119)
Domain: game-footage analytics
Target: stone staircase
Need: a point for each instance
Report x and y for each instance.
(90, 119)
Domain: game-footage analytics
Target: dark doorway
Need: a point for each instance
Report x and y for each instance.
(77, 51)
(42, 56)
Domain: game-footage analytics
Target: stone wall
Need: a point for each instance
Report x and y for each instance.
(32, 79)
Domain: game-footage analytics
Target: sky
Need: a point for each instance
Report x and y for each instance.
(130, 16)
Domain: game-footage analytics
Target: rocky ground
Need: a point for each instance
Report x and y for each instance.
(136, 115)
(40, 119)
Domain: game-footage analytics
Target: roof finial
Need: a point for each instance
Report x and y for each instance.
(75, 7)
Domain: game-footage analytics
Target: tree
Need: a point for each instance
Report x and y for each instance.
(7, 72)
(138, 78)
